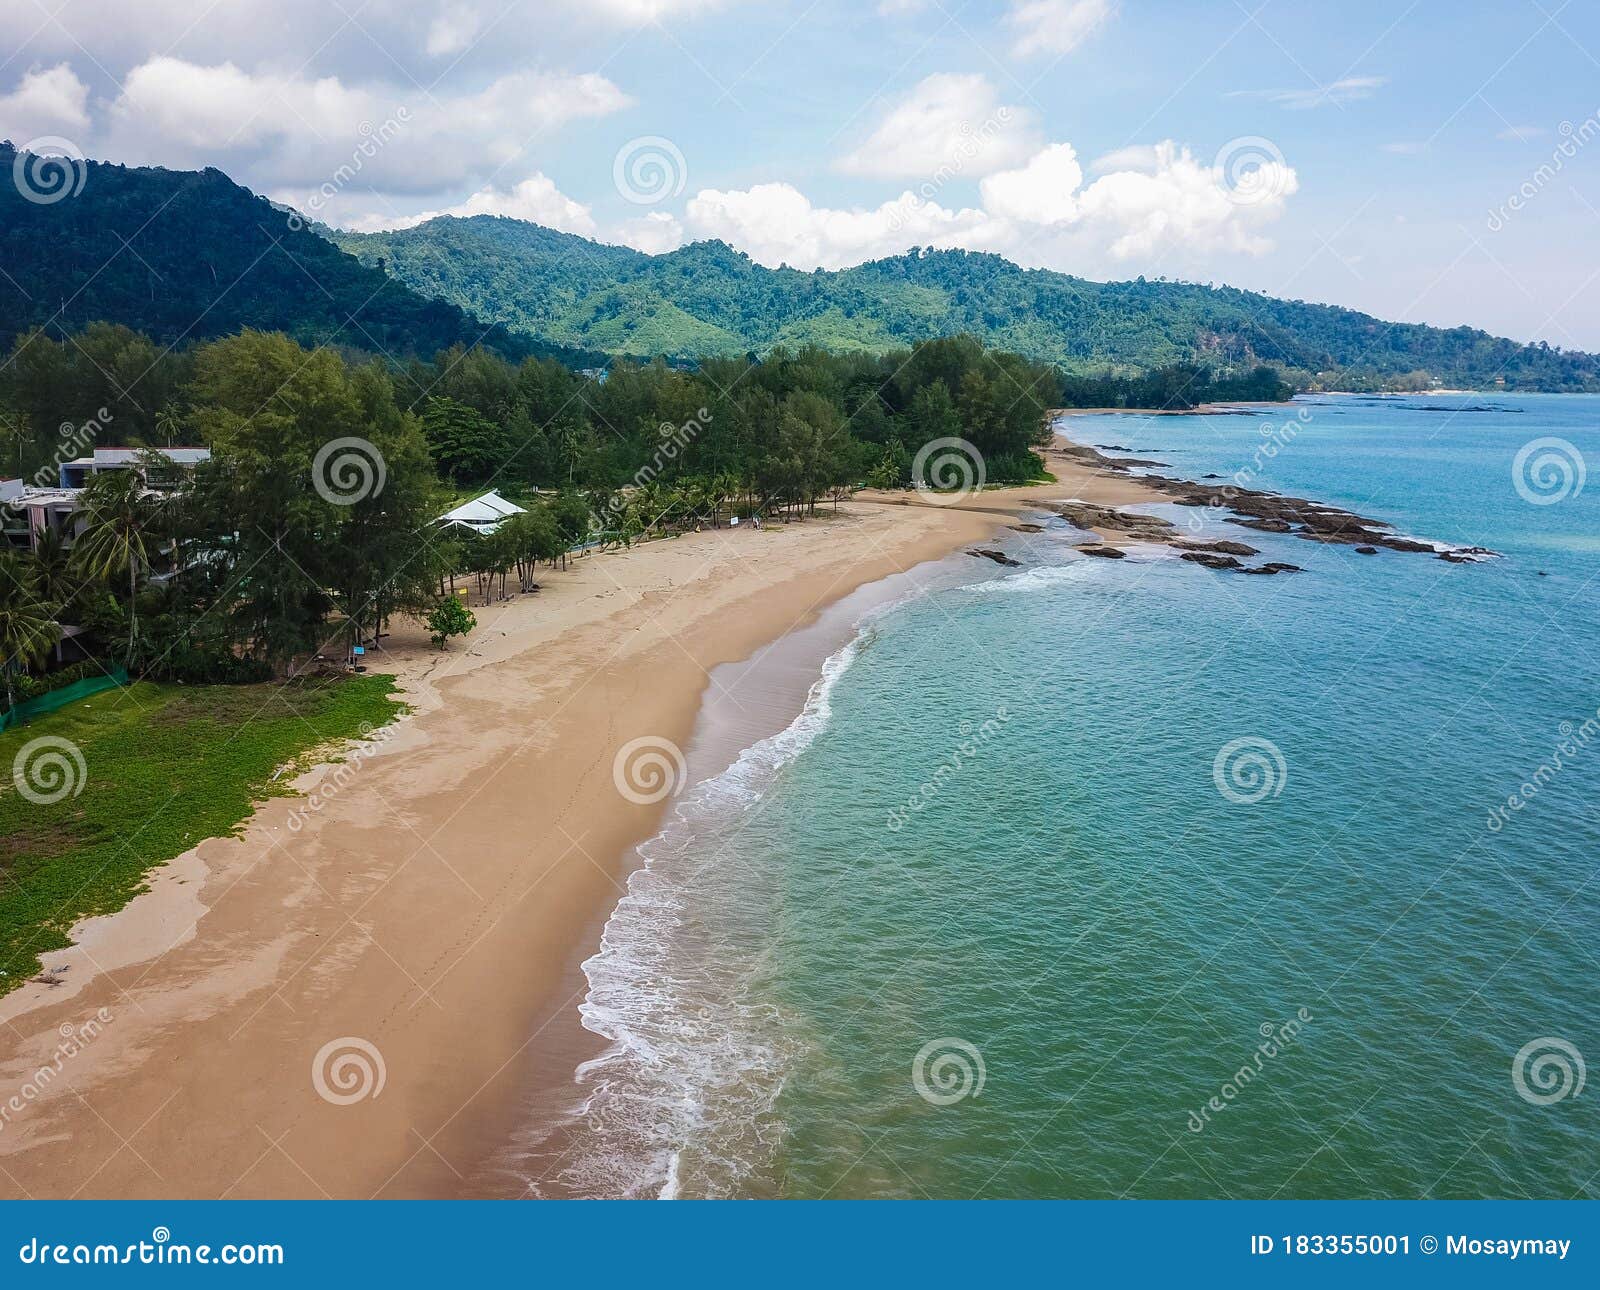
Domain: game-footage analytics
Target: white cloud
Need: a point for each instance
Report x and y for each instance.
(452, 30)
(45, 102)
(1055, 26)
(777, 224)
(653, 233)
(1182, 204)
(948, 124)
(1345, 90)
(1521, 133)
(1169, 207)
(536, 199)
(1041, 192)
(290, 131)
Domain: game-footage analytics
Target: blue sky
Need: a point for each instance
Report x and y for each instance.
(1431, 162)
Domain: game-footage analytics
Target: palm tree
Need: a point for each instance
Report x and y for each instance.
(117, 536)
(52, 567)
(27, 624)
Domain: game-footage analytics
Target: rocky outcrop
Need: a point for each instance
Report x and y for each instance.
(1104, 552)
(1211, 560)
(1220, 546)
(999, 557)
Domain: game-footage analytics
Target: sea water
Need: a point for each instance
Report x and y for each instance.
(1132, 878)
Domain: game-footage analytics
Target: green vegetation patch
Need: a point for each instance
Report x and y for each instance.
(158, 768)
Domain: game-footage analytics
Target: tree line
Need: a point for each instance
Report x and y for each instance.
(313, 521)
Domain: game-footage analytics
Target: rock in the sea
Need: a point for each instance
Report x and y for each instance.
(1104, 552)
(999, 557)
(1221, 546)
(1366, 550)
(1211, 560)
(1275, 566)
(1028, 528)
(1265, 525)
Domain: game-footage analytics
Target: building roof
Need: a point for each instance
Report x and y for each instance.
(483, 514)
(127, 456)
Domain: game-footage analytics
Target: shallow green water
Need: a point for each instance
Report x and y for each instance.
(1168, 991)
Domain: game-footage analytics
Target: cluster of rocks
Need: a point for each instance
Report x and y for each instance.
(1265, 512)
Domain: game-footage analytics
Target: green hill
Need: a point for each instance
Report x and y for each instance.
(708, 298)
(189, 255)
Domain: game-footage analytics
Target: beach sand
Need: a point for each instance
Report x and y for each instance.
(424, 915)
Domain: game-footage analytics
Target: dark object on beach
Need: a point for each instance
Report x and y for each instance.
(1211, 475)
(1221, 546)
(999, 557)
(1104, 552)
(1275, 566)
(1028, 528)
(1366, 550)
(1211, 560)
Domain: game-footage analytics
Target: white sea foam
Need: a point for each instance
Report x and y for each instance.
(682, 1101)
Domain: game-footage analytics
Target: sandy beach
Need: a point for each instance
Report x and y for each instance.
(409, 932)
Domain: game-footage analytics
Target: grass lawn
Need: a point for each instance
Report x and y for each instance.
(162, 768)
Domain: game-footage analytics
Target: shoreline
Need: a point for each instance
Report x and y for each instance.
(433, 908)
(438, 910)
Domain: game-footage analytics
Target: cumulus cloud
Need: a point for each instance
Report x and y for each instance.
(1164, 205)
(777, 224)
(1167, 206)
(46, 101)
(1041, 192)
(294, 131)
(948, 123)
(536, 199)
(1055, 26)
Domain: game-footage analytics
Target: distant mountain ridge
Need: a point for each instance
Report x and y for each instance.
(708, 298)
(191, 255)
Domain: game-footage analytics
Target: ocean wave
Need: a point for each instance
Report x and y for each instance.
(682, 1101)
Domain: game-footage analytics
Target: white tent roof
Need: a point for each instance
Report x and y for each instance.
(484, 513)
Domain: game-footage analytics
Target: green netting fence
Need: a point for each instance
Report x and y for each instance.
(54, 699)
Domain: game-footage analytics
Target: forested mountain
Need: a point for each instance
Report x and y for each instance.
(707, 298)
(188, 255)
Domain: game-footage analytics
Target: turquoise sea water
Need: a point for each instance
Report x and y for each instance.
(999, 838)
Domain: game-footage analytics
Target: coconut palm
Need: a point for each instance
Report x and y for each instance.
(27, 623)
(52, 567)
(118, 535)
